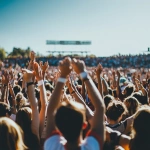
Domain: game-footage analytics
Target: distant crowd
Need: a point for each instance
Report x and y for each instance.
(125, 61)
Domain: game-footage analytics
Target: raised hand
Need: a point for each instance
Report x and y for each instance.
(37, 71)
(78, 66)
(65, 67)
(113, 73)
(99, 69)
(45, 66)
(5, 78)
(27, 75)
(118, 74)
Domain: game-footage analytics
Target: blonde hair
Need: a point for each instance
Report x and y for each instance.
(10, 135)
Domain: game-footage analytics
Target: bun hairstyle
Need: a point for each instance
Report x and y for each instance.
(115, 110)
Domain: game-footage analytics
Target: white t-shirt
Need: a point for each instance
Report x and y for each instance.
(58, 142)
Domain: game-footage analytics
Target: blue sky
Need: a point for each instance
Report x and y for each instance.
(113, 26)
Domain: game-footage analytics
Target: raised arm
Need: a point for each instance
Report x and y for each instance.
(65, 69)
(114, 79)
(118, 80)
(99, 70)
(13, 99)
(96, 98)
(43, 98)
(28, 78)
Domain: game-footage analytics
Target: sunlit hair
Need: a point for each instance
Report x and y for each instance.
(10, 135)
(21, 100)
(141, 130)
(132, 105)
(108, 99)
(24, 120)
(69, 119)
(130, 88)
(115, 110)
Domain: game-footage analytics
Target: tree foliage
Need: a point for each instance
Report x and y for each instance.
(2, 54)
(18, 52)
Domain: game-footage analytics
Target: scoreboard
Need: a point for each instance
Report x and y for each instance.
(52, 42)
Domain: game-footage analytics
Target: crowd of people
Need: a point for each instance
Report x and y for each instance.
(75, 106)
(126, 61)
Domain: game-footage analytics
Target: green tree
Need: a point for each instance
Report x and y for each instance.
(2, 54)
(16, 52)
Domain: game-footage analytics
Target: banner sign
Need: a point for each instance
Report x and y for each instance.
(49, 42)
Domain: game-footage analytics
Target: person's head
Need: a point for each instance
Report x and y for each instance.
(132, 105)
(4, 110)
(129, 89)
(17, 89)
(139, 96)
(70, 119)
(49, 87)
(141, 130)
(108, 99)
(10, 135)
(115, 110)
(123, 82)
(110, 91)
(21, 100)
(23, 118)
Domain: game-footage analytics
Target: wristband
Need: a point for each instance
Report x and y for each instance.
(29, 83)
(83, 75)
(62, 80)
(40, 82)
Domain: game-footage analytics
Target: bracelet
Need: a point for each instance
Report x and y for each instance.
(29, 83)
(62, 80)
(40, 82)
(84, 76)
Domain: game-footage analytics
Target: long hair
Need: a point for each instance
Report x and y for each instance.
(10, 135)
(24, 120)
(141, 130)
(132, 105)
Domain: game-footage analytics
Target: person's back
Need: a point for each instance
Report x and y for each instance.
(69, 117)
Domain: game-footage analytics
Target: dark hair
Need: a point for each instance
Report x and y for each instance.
(132, 105)
(142, 99)
(141, 130)
(69, 121)
(108, 99)
(49, 87)
(4, 108)
(129, 89)
(23, 119)
(115, 109)
(110, 91)
(17, 89)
